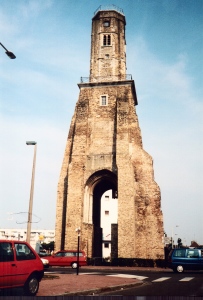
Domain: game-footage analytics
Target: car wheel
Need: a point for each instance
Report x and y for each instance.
(179, 269)
(74, 265)
(31, 286)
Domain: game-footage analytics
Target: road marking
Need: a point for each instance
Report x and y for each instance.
(90, 273)
(55, 272)
(128, 276)
(187, 279)
(161, 279)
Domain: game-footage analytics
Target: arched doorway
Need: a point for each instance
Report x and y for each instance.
(98, 183)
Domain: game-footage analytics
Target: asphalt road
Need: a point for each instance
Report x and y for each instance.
(155, 283)
(173, 285)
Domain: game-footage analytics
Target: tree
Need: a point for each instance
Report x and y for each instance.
(49, 246)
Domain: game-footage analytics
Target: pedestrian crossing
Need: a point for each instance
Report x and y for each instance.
(128, 276)
(131, 276)
(187, 279)
(161, 279)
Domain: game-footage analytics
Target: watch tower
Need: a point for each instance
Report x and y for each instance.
(104, 152)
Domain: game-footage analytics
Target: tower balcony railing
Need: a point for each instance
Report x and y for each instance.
(109, 7)
(105, 78)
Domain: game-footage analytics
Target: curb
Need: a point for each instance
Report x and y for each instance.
(102, 290)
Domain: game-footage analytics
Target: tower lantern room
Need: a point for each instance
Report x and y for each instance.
(108, 45)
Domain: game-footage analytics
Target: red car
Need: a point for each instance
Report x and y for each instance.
(67, 258)
(20, 266)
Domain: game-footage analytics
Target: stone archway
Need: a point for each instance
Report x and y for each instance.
(97, 184)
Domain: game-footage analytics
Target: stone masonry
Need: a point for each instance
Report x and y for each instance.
(104, 151)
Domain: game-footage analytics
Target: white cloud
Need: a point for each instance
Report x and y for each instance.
(35, 7)
(152, 72)
(170, 116)
(16, 165)
(7, 28)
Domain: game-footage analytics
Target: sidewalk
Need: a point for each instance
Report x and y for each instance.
(87, 283)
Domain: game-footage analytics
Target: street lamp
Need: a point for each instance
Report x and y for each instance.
(172, 237)
(78, 251)
(9, 53)
(31, 192)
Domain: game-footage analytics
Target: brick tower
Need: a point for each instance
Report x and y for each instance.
(104, 152)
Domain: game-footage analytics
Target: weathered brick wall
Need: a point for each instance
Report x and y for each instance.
(105, 142)
(99, 134)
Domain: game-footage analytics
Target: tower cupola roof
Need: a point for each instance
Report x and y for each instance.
(109, 7)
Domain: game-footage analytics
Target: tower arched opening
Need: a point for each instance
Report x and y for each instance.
(98, 183)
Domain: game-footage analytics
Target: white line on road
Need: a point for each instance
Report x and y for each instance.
(90, 273)
(187, 279)
(161, 279)
(128, 276)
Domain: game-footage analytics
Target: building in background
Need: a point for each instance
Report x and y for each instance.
(37, 235)
(109, 215)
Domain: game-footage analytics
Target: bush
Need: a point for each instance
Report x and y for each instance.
(127, 262)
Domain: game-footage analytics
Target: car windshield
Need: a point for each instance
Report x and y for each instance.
(23, 252)
(60, 254)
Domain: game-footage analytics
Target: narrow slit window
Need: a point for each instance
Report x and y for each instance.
(103, 100)
(104, 40)
(107, 40)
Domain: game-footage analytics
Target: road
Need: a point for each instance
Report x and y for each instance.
(155, 283)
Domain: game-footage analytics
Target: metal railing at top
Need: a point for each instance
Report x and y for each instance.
(109, 7)
(105, 78)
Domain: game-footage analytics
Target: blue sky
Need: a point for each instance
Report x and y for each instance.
(38, 93)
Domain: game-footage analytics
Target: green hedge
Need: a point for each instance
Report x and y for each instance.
(127, 262)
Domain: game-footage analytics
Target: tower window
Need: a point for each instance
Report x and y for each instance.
(106, 40)
(106, 23)
(104, 100)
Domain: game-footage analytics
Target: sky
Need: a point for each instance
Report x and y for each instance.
(38, 94)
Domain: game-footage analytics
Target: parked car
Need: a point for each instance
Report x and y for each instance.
(181, 259)
(20, 266)
(67, 258)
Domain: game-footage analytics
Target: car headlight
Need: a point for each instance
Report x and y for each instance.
(45, 261)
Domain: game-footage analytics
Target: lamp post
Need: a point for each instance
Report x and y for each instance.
(31, 192)
(78, 251)
(9, 53)
(172, 236)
